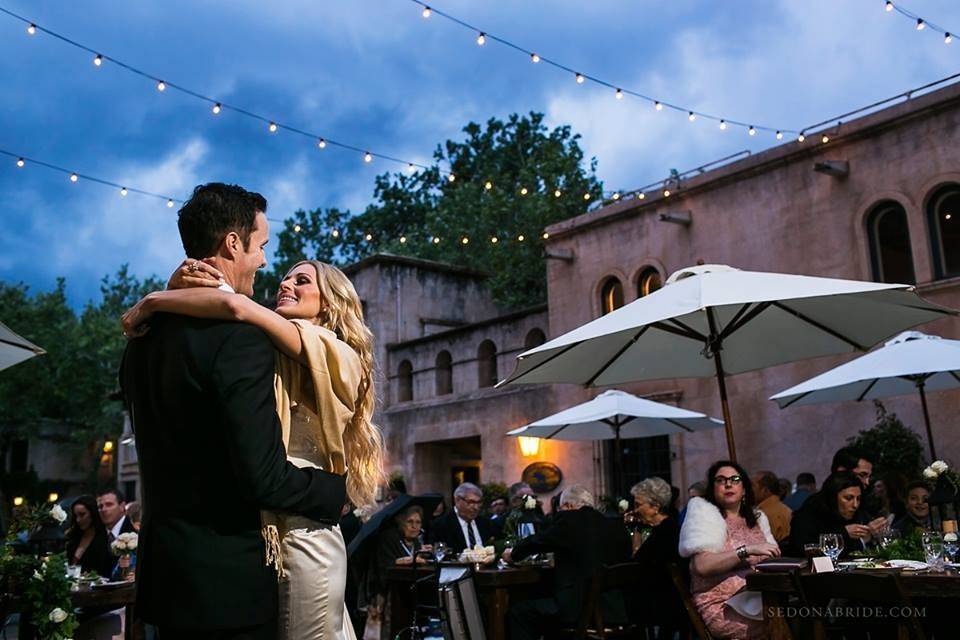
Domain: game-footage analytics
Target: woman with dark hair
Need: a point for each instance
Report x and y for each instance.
(87, 543)
(832, 510)
(724, 535)
(918, 510)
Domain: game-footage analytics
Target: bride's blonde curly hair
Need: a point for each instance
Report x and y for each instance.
(363, 441)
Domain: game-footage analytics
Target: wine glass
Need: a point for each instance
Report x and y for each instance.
(439, 551)
(933, 548)
(832, 545)
(951, 545)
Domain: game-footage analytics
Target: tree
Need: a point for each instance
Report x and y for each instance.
(427, 215)
(893, 447)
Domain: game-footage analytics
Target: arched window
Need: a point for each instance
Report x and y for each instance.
(405, 382)
(444, 371)
(943, 217)
(486, 364)
(649, 281)
(611, 295)
(890, 254)
(534, 338)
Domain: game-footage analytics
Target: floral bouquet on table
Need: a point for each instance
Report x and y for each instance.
(945, 494)
(125, 548)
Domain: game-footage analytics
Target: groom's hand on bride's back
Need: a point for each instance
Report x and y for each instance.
(195, 273)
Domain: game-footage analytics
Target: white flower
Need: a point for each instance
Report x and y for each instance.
(624, 505)
(939, 466)
(530, 502)
(37, 575)
(58, 615)
(929, 473)
(950, 537)
(58, 514)
(130, 540)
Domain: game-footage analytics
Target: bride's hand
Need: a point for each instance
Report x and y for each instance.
(194, 273)
(134, 321)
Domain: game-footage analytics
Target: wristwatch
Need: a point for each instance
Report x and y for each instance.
(742, 552)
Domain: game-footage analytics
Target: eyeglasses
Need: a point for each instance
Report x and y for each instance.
(472, 503)
(724, 480)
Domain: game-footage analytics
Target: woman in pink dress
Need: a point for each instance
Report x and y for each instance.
(724, 535)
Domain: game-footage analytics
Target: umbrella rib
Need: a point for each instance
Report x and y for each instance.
(675, 423)
(619, 353)
(20, 345)
(819, 325)
(736, 325)
(556, 432)
(867, 390)
(797, 399)
(690, 332)
(730, 327)
(955, 376)
(556, 355)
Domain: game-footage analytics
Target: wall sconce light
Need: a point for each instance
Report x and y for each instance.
(53, 497)
(18, 501)
(529, 446)
(108, 446)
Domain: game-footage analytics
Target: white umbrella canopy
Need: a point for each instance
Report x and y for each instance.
(912, 362)
(713, 320)
(14, 349)
(614, 415)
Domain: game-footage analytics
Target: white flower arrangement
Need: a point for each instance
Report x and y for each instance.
(125, 543)
(623, 505)
(57, 615)
(929, 473)
(58, 514)
(529, 503)
(939, 466)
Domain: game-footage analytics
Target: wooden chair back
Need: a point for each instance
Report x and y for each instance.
(680, 584)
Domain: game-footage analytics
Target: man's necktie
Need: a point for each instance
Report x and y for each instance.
(472, 539)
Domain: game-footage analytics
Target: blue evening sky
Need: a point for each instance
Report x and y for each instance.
(376, 74)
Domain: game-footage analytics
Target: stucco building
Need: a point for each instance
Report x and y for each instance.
(880, 200)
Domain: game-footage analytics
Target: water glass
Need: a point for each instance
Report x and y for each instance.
(951, 546)
(887, 535)
(933, 548)
(439, 551)
(832, 545)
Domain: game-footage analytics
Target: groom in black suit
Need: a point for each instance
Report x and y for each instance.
(200, 396)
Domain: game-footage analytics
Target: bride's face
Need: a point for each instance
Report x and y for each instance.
(299, 295)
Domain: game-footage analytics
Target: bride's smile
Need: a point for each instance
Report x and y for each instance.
(299, 295)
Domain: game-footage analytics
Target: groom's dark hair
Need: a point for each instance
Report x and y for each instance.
(213, 211)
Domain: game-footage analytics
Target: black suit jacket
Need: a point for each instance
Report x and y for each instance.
(583, 541)
(447, 529)
(200, 397)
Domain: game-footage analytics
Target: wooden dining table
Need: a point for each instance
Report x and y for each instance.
(777, 588)
(495, 589)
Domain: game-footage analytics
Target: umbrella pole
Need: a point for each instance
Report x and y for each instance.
(617, 461)
(926, 419)
(715, 347)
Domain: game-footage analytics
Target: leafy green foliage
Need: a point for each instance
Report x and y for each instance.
(521, 153)
(893, 447)
(907, 548)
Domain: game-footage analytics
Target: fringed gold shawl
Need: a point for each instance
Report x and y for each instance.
(327, 386)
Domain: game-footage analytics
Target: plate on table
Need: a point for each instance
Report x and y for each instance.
(908, 565)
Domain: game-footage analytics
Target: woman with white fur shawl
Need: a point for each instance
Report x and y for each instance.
(724, 535)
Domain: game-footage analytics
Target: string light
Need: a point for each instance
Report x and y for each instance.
(825, 139)
(368, 157)
(520, 238)
(801, 137)
(752, 131)
(488, 185)
(641, 195)
(123, 192)
(691, 116)
(889, 6)
(32, 29)
(534, 58)
(368, 237)
(426, 12)
(403, 239)
(482, 39)
(546, 236)
(586, 196)
(411, 168)
(666, 193)
(580, 78)
(335, 233)
(451, 178)
(723, 125)
(494, 240)
(321, 144)
(170, 203)
(779, 135)
(920, 24)
(947, 38)
(465, 240)
(557, 194)
(296, 228)
(98, 60)
(20, 162)
(216, 109)
(658, 106)
(74, 177)
(436, 239)
(272, 127)
(523, 191)
(619, 94)
(161, 86)
(615, 196)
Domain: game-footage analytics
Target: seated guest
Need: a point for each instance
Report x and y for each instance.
(724, 535)
(806, 487)
(113, 512)
(395, 546)
(520, 494)
(696, 490)
(133, 513)
(87, 544)
(497, 511)
(918, 510)
(834, 509)
(888, 490)
(766, 491)
(785, 487)
(463, 527)
(656, 602)
(871, 509)
(583, 540)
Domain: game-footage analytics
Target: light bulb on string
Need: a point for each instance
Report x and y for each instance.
(580, 78)
(947, 38)
(335, 233)
(534, 58)
(321, 144)
(368, 237)
(691, 116)
(888, 6)
(296, 228)
(723, 125)
(451, 177)
(436, 239)
(557, 193)
(801, 137)
(410, 167)
(20, 163)
(524, 191)
(619, 94)
(488, 185)
(465, 240)
(920, 24)
(545, 236)
(426, 12)
(494, 240)
(74, 177)
(216, 109)
(615, 196)
(752, 131)
(368, 157)
(161, 86)
(123, 191)
(170, 204)
(97, 60)
(779, 135)
(272, 127)
(403, 239)
(666, 193)
(521, 238)
(825, 139)
(482, 39)
(32, 29)
(586, 196)
(658, 106)
(641, 195)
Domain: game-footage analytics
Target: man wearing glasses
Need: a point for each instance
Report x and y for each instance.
(463, 528)
(852, 459)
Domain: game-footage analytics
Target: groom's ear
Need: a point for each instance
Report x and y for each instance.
(232, 245)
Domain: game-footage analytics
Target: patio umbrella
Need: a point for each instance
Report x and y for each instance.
(15, 349)
(614, 415)
(369, 532)
(713, 320)
(913, 362)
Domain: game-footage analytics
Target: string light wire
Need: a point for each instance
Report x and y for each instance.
(920, 23)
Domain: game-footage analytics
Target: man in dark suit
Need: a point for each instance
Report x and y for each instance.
(462, 527)
(583, 540)
(112, 505)
(200, 396)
